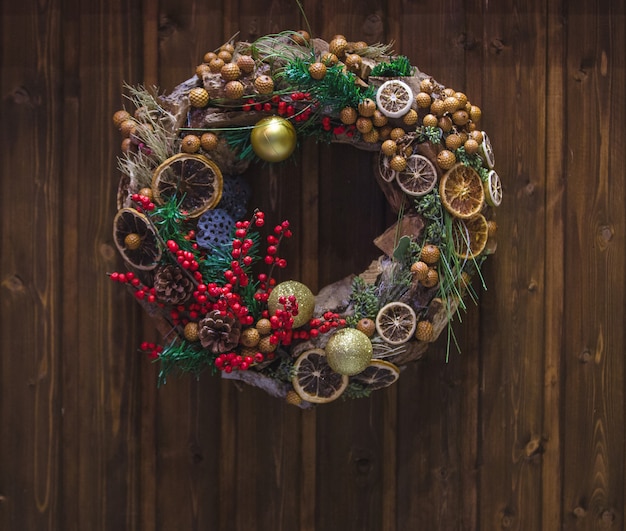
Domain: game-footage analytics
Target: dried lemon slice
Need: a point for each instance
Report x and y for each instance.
(396, 322)
(387, 173)
(419, 177)
(469, 236)
(135, 239)
(378, 374)
(493, 189)
(194, 180)
(394, 98)
(314, 380)
(485, 150)
(461, 191)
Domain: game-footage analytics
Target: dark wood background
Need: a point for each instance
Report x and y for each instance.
(524, 429)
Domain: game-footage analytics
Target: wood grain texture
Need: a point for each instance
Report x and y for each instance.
(594, 365)
(522, 430)
(514, 40)
(31, 280)
(430, 440)
(552, 472)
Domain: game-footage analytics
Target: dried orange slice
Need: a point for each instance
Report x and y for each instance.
(387, 173)
(394, 98)
(396, 322)
(419, 177)
(314, 380)
(469, 236)
(378, 374)
(461, 191)
(485, 150)
(136, 239)
(194, 180)
(493, 189)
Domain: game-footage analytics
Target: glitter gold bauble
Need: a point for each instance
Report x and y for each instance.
(273, 139)
(304, 298)
(348, 351)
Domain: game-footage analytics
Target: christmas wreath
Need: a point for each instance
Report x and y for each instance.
(203, 263)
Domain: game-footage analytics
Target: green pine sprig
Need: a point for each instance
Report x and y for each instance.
(182, 357)
(364, 299)
(398, 67)
(337, 89)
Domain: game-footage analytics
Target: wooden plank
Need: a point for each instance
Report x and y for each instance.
(31, 275)
(102, 408)
(186, 415)
(429, 471)
(352, 212)
(593, 433)
(556, 162)
(350, 464)
(512, 316)
(310, 277)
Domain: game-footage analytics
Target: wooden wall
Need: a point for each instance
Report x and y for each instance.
(522, 430)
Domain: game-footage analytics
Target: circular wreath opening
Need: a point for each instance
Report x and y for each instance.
(203, 262)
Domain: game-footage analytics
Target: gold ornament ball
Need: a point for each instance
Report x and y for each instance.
(304, 298)
(273, 139)
(348, 351)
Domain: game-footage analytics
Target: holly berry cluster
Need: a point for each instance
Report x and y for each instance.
(317, 326)
(229, 361)
(143, 202)
(152, 349)
(289, 107)
(141, 291)
(282, 320)
(227, 295)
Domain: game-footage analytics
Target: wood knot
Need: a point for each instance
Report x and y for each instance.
(583, 70)
(107, 252)
(604, 235)
(363, 466)
(373, 28)
(21, 96)
(607, 518)
(167, 27)
(579, 512)
(497, 46)
(585, 356)
(253, 29)
(468, 43)
(508, 518)
(363, 463)
(529, 189)
(13, 283)
(533, 447)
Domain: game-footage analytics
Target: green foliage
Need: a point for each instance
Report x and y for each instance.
(337, 89)
(398, 67)
(184, 358)
(282, 371)
(430, 208)
(355, 390)
(429, 134)
(364, 298)
(474, 161)
(169, 221)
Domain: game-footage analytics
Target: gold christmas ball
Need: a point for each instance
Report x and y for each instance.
(273, 139)
(304, 298)
(348, 351)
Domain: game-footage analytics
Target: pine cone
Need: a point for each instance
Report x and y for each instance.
(172, 285)
(219, 333)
